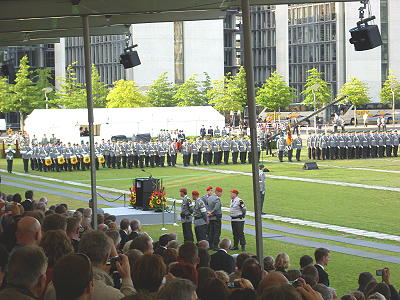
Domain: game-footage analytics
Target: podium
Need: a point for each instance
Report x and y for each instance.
(144, 188)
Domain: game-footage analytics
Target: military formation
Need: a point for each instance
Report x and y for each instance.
(206, 213)
(353, 145)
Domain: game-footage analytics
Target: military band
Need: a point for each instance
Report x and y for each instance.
(353, 145)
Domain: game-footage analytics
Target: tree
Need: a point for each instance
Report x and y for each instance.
(43, 78)
(206, 86)
(357, 93)
(390, 89)
(275, 93)
(71, 93)
(316, 87)
(189, 93)
(125, 94)
(161, 92)
(5, 90)
(237, 88)
(23, 98)
(99, 89)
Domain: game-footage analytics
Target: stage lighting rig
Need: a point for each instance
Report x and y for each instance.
(130, 57)
(365, 36)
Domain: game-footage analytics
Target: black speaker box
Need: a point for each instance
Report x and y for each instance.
(365, 37)
(129, 59)
(310, 166)
(144, 188)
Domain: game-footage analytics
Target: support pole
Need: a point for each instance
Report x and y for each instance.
(248, 65)
(88, 77)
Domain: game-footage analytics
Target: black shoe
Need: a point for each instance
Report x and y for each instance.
(243, 249)
(263, 213)
(235, 248)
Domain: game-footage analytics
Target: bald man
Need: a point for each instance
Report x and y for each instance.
(29, 232)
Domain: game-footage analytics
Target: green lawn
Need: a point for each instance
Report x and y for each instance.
(361, 208)
(343, 269)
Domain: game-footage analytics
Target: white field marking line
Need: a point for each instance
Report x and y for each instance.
(337, 167)
(354, 231)
(358, 185)
(360, 232)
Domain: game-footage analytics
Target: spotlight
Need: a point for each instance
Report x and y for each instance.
(365, 36)
(129, 58)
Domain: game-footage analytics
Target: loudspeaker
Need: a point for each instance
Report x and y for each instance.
(365, 37)
(310, 166)
(144, 188)
(129, 59)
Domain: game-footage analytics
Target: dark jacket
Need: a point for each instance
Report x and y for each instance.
(221, 260)
(28, 205)
(323, 276)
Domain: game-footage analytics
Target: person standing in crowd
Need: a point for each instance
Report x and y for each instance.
(298, 145)
(202, 131)
(237, 212)
(26, 153)
(261, 180)
(214, 214)
(321, 261)
(200, 217)
(281, 144)
(10, 152)
(186, 215)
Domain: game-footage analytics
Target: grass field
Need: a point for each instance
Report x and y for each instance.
(356, 207)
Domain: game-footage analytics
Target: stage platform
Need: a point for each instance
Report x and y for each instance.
(146, 217)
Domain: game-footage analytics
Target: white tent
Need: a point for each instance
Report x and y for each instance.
(65, 124)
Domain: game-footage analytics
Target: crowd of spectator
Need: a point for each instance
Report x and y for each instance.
(52, 253)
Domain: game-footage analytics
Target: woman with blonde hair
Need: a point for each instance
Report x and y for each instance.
(282, 263)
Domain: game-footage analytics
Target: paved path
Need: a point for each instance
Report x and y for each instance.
(337, 167)
(343, 229)
(358, 185)
(312, 244)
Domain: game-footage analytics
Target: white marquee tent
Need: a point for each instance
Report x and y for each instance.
(65, 123)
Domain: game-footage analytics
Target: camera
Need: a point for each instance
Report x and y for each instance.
(379, 272)
(233, 284)
(296, 283)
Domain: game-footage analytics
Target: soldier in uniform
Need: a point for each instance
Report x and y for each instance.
(199, 147)
(388, 143)
(161, 151)
(395, 143)
(129, 154)
(200, 217)
(242, 150)
(186, 216)
(141, 151)
(112, 151)
(118, 154)
(237, 212)
(215, 151)
(261, 181)
(186, 149)
(298, 144)
(26, 153)
(235, 150)
(152, 149)
(214, 214)
(172, 153)
(194, 149)
(381, 144)
(281, 144)
(9, 157)
(124, 156)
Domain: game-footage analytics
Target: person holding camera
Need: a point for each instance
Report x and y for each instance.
(186, 215)
(237, 212)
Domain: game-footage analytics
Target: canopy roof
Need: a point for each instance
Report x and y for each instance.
(22, 20)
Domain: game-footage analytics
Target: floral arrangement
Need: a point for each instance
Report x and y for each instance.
(158, 200)
(132, 197)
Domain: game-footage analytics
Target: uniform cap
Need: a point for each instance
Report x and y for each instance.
(183, 190)
(261, 166)
(209, 188)
(218, 189)
(195, 193)
(235, 191)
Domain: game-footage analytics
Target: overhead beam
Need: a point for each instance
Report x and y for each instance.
(8, 43)
(64, 23)
(25, 9)
(10, 38)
